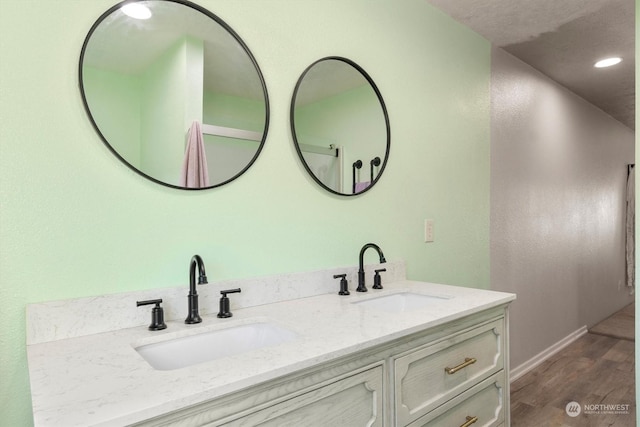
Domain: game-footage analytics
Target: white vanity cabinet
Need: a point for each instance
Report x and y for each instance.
(352, 401)
(349, 365)
(434, 373)
(482, 405)
(354, 398)
(453, 374)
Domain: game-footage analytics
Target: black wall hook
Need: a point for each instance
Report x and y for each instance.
(375, 162)
(356, 165)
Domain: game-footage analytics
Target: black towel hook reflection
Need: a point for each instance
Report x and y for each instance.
(374, 162)
(356, 165)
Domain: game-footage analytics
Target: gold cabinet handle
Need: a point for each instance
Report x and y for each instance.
(467, 361)
(470, 420)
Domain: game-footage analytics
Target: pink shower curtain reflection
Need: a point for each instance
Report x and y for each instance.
(194, 172)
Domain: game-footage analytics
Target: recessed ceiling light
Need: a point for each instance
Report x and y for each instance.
(608, 62)
(136, 11)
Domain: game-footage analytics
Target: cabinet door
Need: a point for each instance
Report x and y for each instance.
(349, 402)
(427, 377)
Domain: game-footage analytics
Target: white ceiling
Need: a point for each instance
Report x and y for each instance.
(563, 39)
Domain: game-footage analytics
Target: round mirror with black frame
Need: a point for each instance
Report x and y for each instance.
(174, 93)
(340, 126)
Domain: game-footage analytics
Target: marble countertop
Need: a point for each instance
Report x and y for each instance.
(101, 380)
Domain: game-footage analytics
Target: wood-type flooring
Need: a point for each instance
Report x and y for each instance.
(596, 371)
(620, 325)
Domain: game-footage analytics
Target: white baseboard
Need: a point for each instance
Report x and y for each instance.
(536, 360)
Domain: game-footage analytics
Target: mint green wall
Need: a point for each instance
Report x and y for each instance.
(114, 100)
(76, 222)
(171, 101)
(194, 77)
(233, 111)
(145, 117)
(228, 156)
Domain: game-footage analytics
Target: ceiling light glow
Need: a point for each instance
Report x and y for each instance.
(136, 11)
(608, 62)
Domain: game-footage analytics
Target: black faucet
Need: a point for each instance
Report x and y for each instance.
(361, 285)
(193, 315)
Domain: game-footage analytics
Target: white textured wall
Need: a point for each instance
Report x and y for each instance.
(558, 173)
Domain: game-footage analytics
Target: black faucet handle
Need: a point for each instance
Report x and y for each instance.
(344, 285)
(377, 280)
(225, 310)
(157, 314)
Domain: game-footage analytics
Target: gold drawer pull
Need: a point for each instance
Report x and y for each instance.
(467, 361)
(470, 420)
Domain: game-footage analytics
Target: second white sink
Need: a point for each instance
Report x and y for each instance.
(190, 350)
(400, 302)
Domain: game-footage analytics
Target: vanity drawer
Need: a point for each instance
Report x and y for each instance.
(353, 401)
(427, 377)
(480, 406)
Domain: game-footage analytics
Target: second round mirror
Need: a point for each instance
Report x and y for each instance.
(340, 126)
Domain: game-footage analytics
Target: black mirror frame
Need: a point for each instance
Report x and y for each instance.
(235, 36)
(384, 112)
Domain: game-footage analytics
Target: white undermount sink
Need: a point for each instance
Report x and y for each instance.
(400, 302)
(190, 350)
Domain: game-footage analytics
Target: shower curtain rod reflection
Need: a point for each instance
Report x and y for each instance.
(231, 132)
(308, 148)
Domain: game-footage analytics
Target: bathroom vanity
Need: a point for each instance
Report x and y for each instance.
(412, 354)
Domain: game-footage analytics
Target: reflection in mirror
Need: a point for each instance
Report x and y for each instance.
(340, 126)
(146, 81)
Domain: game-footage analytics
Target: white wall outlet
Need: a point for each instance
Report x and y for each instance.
(428, 230)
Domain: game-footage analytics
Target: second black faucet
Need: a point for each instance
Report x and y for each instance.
(361, 285)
